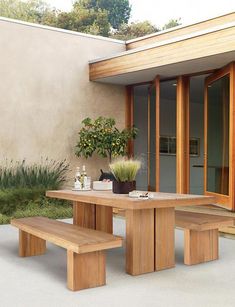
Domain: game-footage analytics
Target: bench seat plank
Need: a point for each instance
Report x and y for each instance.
(201, 221)
(71, 237)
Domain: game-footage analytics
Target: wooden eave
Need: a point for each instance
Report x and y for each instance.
(201, 44)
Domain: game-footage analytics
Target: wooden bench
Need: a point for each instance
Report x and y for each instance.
(201, 235)
(85, 248)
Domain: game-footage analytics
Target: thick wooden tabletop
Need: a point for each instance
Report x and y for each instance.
(123, 201)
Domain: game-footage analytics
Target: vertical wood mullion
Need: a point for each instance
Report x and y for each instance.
(182, 135)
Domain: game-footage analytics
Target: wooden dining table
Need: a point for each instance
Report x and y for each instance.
(150, 223)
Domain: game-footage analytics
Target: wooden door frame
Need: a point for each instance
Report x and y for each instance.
(227, 201)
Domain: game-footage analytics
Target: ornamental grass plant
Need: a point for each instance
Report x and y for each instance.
(125, 170)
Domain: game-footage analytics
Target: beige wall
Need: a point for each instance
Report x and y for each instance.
(45, 92)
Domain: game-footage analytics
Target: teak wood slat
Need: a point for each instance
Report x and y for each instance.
(188, 49)
(174, 32)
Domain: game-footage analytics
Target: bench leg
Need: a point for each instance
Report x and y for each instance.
(200, 246)
(85, 270)
(30, 245)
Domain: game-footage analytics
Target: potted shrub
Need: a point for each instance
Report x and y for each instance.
(125, 172)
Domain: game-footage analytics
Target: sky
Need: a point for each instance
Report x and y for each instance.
(160, 12)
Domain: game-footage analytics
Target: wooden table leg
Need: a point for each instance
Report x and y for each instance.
(104, 218)
(84, 215)
(93, 216)
(164, 238)
(139, 241)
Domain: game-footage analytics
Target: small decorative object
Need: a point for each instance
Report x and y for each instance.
(106, 176)
(124, 172)
(141, 195)
(82, 182)
(104, 185)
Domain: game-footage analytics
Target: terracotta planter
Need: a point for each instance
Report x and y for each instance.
(123, 187)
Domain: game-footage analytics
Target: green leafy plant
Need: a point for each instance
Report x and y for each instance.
(125, 170)
(103, 137)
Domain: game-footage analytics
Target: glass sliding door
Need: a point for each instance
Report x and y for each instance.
(168, 136)
(152, 138)
(219, 137)
(141, 121)
(146, 145)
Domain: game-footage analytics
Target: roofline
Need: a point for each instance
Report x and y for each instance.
(39, 26)
(130, 41)
(166, 42)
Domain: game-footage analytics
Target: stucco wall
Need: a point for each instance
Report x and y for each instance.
(45, 92)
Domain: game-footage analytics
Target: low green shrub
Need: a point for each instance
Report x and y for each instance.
(51, 208)
(11, 198)
(23, 185)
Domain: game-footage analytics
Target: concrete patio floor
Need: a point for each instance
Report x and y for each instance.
(41, 281)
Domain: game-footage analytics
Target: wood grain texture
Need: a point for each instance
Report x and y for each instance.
(139, 241)
(200, 246)
(74, 238)
(86, 270)
(104, 219)
(164, 238)
(181, 31)
(187, 49)
(123, 201)
(84, 215)
(201, 221)
(182, 135)
(30, 245)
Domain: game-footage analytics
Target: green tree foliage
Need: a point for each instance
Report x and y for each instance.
(98, 17)
(85, 20)
(118, 10)
(36, 11)
(172, 23)
(103, 137)
(134, 29)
